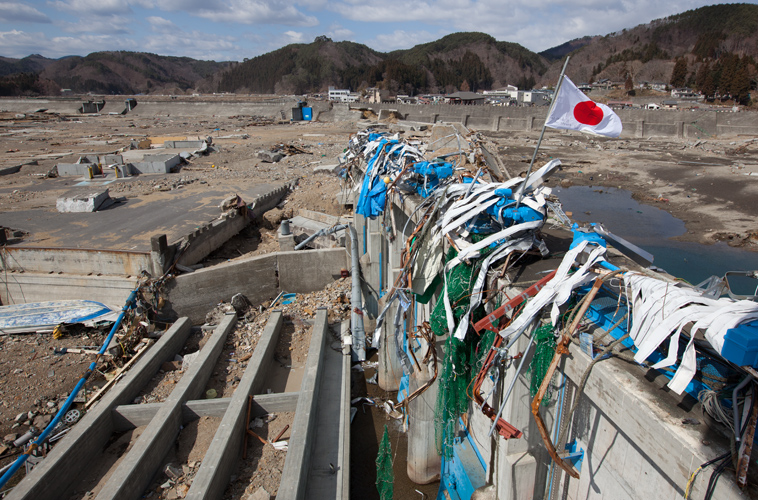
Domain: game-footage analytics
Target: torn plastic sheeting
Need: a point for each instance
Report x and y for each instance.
(661, 310)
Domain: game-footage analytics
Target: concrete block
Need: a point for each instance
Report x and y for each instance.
(84, 202)
(269, 156)
(193, 145)
(195, 294)
(156, 164)
(333, 169)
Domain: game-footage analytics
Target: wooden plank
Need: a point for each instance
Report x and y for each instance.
(221, 458)
(133, 475)
(127, 417)
(64, 466)
(298, 462)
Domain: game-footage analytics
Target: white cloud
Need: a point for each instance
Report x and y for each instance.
(17, 43)
(106, 25)
(241, 11)
(13, 12)
(400, 39)
(337, 32)
(94, 7)
(294, 37)
(194, 44)
(159, 23)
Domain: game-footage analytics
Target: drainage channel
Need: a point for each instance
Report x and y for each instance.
(316, 464)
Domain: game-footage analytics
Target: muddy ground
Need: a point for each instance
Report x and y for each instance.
(710, 184)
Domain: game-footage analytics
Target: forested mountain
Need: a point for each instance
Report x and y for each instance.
(713, 49)
(461, 61)
(119, 72)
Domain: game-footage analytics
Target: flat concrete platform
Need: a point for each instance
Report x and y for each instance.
(127, 225)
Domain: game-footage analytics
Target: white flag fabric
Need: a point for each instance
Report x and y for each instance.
(575, 111)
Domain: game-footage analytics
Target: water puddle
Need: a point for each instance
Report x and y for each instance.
(652, 229)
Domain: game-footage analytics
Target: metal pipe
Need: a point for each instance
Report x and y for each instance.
(735, 407)
(322, 232)
(510, 387)
(356, 316)
(542, 134)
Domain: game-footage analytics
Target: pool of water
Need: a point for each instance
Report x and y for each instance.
(652, 229)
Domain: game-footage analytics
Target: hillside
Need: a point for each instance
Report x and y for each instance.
(129, 73)
(465, 61)
(715, 47)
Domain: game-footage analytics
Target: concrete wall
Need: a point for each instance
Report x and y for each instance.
(636, 122)
(75, 261)
(207, 238)
(169, 108)
(20, 288)
(259, 278)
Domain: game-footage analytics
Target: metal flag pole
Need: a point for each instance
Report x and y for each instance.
(544, 126)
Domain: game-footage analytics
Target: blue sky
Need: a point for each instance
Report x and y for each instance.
(231, 30)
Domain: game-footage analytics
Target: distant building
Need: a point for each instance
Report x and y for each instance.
(342, 95)
(464, 98)
(533, 97)
(670, 104)
(377, 96)
(686, 93)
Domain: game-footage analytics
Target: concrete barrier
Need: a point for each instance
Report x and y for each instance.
(259, 278)
(20, 288)
(666, 123)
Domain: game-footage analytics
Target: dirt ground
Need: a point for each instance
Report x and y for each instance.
(709, 183)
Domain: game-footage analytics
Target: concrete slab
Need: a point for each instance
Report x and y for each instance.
(174, 213)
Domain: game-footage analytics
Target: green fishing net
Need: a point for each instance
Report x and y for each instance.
(544, 340)
(385, 477)
(460, 360)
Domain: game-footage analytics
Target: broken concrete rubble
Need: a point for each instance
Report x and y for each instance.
(269, 156)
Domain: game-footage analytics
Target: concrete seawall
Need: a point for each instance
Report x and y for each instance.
(637, 123)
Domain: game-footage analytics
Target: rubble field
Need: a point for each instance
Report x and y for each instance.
(710, 184)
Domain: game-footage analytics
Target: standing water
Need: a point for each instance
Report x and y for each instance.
(653, 229)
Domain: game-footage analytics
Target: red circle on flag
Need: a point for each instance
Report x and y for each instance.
(588, 113)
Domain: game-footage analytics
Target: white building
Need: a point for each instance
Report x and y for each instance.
(342, 95)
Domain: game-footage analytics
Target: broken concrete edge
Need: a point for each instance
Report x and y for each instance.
(220, 460)
(127, 417)
(297, 463)
(62, 469)
(134, 473)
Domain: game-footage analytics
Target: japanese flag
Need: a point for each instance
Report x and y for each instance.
(575, 111)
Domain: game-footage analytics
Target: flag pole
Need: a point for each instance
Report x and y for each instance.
(544, 126)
